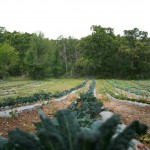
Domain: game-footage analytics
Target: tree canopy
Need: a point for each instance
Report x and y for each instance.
(101, 54)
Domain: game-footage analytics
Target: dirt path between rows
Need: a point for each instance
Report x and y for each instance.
(129, 112)
(25, 119)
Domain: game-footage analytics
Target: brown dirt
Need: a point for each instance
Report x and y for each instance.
(25, 119)
(129, 112)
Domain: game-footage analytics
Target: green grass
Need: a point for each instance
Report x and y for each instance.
(84, 89)
(24, 87)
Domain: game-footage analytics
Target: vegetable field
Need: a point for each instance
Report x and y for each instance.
(124, 90)
(87, 120)
(136, 91)
(27, 88)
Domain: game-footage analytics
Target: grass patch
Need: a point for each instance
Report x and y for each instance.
(27, 88)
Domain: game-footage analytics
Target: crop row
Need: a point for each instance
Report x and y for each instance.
(86, 108)
(75, 128)
(140, 87)
(106, 87)
(144, 83)
(38, 96)
(130, 87)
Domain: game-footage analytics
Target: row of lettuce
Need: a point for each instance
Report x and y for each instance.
(38, 96)
(77, 127)
(124, 91)
(131, 87)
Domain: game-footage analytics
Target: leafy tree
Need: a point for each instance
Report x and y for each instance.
(2, 34)
(84, 64)
(99, 50)
(8, 59)
(134, 54)
(39, 57)
(21, 42)
(101, 54)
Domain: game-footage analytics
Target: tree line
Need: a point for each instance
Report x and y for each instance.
(101, 54)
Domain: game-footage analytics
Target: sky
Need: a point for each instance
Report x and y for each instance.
(73, 17)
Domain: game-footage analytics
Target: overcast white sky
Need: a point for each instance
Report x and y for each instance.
(73, 17)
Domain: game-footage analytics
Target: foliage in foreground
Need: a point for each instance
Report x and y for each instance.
(145, 139)
(64, 133)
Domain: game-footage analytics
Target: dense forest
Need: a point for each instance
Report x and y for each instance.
(101, 54)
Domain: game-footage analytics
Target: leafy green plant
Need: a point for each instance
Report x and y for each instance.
(86, 108)
(64, 133)
(38, 96)
(75, 128)
(13, 113)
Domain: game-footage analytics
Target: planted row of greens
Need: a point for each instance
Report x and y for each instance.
(109, 89)
(105, 87)
(86, 108)
(140, 87)
(38, 96)
(130, 87)
(66, 131)
(144, 83)
(134, 86)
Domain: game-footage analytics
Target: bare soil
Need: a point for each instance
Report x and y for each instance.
(129, 112)
(25, 119)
